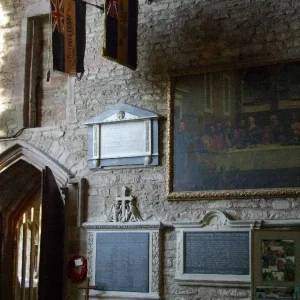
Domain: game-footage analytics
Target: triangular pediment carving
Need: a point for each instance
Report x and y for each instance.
(122, 112)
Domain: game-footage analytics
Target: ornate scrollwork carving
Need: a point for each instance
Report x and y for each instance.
(155, 262)
(89, 253)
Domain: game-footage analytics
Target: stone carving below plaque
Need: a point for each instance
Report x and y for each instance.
(124, 209)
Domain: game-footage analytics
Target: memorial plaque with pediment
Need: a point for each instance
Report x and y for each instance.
(124, 135)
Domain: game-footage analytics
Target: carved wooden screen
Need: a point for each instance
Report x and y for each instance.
(52, 240)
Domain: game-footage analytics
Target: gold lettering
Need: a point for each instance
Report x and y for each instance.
(69, 25)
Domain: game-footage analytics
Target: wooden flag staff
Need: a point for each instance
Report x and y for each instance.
(101, 6)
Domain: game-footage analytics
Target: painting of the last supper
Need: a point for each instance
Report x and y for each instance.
(236, 130)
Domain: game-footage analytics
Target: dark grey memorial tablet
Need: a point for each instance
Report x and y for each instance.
(122, 261)
(223, 253)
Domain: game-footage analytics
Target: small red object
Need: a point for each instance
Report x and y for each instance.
(77, 277)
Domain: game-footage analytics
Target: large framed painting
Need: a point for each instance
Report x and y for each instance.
(235, 132)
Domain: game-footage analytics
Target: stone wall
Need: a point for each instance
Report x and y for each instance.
(172, 34)
(52, 94)
(10, 29)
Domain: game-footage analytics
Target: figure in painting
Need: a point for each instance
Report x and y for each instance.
(214, 138)
(229, 135)
(275, 132)
(199, 163)
(206, 139)
(295, 139)
(218, 140)
(255, 133)
(181, 142)
(240, 134)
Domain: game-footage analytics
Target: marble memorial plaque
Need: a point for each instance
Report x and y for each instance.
(127, 139)
(214, 251)
(223, 253)
(124, 135)
(122, 261)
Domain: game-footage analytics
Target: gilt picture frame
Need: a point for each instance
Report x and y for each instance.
(234, 131)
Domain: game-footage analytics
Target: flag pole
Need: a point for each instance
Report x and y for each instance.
(101, 7)
(49, 44)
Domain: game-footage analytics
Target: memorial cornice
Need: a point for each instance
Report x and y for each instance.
(122, 226)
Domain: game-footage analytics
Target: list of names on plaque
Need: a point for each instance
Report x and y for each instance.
(123, 139)
(122, 261)
(223, 253)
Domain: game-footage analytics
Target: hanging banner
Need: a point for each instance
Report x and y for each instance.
(68, 35)
(120, 43)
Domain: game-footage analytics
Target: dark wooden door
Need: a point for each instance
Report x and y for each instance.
(52, 240)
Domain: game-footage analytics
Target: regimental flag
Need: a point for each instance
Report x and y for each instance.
(120, 45)
(68, 35)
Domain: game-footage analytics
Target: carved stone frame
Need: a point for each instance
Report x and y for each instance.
(213, 221)
(154, 230)
(219, 194)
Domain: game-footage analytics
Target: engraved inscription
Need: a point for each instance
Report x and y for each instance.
(122, 261)
(223, 253)
(123, 140)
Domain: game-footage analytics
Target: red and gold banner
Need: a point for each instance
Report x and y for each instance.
(121, 32)
(68, 35)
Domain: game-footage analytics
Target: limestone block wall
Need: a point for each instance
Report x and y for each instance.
(172, 34)
(10, 31)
